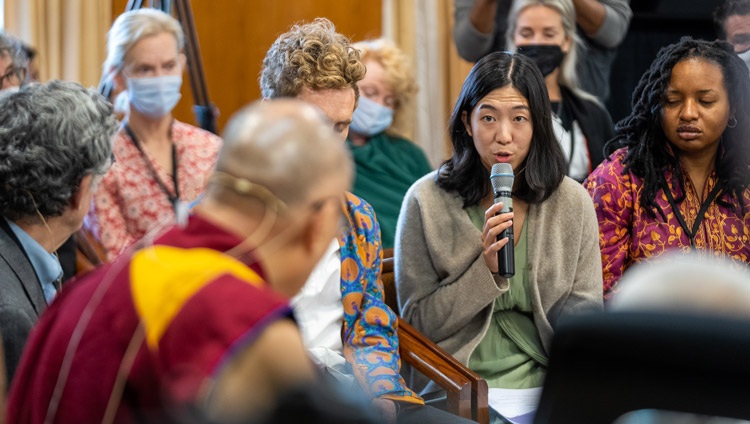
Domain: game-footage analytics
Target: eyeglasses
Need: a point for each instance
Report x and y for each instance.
(13, 72)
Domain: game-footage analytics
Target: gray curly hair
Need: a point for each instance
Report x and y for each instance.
(52, 135)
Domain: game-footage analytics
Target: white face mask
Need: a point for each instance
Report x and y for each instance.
(371, 117)
(9, 90)
(154, 96)
(745, 56)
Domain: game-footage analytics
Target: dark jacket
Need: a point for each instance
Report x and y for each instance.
(21, 297)
(594, 120)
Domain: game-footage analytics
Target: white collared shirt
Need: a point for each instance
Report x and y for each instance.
(579, 162)
(318, 308)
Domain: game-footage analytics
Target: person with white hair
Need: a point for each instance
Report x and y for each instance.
(685, 283)
(161, 164)
(689, 285)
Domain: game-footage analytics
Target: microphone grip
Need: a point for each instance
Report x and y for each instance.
(506, 261)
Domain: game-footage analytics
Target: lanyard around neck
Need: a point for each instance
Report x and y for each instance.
(172, 199)
(691, 233)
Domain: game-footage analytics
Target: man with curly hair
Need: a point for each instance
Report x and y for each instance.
(55, 143)
(315, 64)
(345, 323)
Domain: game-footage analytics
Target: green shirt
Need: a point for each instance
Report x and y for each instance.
(511, 355)
(386, 166)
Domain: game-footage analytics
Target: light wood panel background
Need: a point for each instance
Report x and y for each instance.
(234, 36)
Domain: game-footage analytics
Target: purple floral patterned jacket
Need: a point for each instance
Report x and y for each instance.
(628, 234)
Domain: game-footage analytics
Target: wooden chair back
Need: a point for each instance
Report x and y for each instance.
(89, 252)
(389, 281)
(467, 392)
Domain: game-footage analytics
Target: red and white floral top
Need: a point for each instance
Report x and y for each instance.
(129, 203)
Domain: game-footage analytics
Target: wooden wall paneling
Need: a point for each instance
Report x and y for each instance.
(234, 36)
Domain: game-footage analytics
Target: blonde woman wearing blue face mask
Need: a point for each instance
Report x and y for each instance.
(160, 164)
(545, 31)
(386, 163)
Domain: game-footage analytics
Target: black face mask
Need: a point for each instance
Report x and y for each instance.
(547, 57)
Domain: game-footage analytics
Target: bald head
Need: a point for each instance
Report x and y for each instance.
(686, 283)
(285, 146)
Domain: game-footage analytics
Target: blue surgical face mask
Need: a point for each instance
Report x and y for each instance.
(371, 118)
(154, 96)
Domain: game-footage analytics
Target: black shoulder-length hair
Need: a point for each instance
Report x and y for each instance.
(544, 167)
(648, 151)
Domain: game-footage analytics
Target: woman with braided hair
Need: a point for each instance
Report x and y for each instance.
(677, 175)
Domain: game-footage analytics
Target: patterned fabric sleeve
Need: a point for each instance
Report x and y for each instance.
(370, 327)
(130, 203)
(612, 194)
(106, 219)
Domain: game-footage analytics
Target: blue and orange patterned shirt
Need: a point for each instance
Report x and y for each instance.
(370, 327)
(628, 234)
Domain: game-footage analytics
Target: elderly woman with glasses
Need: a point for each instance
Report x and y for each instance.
(13, 62)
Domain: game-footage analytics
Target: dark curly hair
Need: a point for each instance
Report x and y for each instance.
(51, 136)
(544, 167)
(648, 151)
(310, 55)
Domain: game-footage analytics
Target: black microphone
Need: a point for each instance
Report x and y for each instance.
(501, 178)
